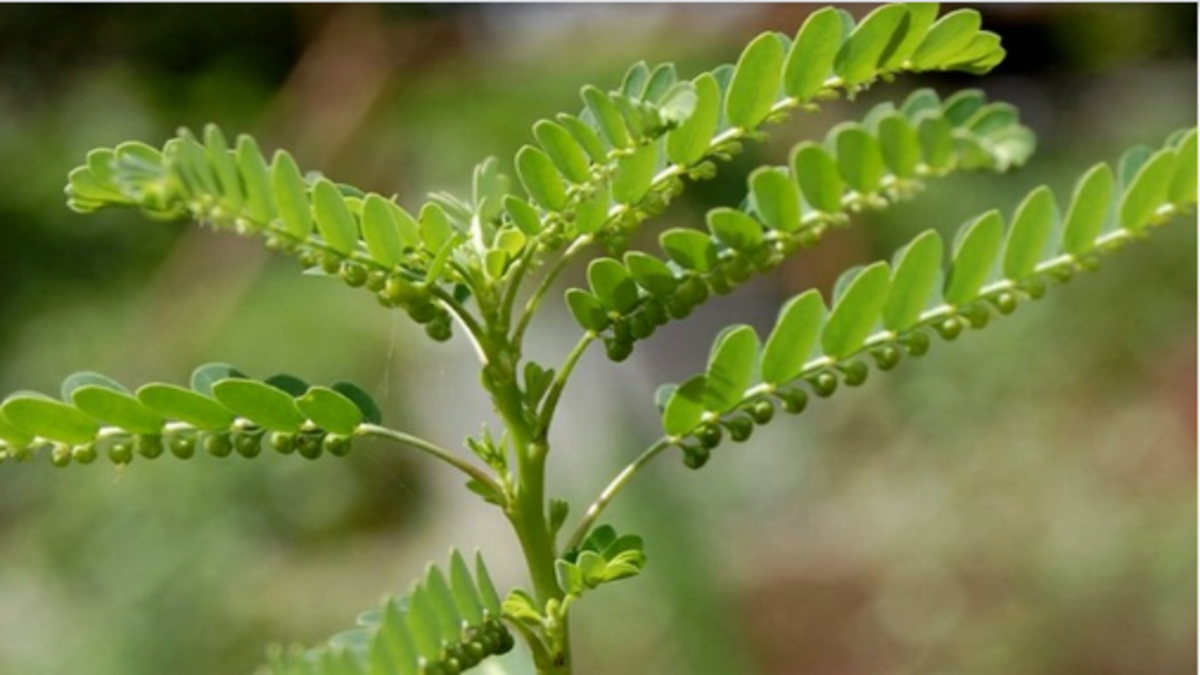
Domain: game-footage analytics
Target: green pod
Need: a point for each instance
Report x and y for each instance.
(439, 330)
(695, 457)
(60, 455)
(949, 328)
(218, 444)
(284, 442)
(976, 314)
(248, 444)
(354, 274)
(423, 312)
(824, 384)
(886, 357)
(761, 411)
(679, 308)
(1005, 303)
(739, 428)
(309, 445)
(794, 401)
(617, 349)
(709, 435)
(854, 372)
(148, 445)
(120, 452)
(337, 445)
(916, 343)
(84, 453)
(182, 445)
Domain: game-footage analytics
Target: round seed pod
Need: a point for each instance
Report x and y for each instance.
(218, 444)
(148, 446)
(720, 283)
(618, 350)
(794, 401)
(917, 343)
(693, 290)
(337, 445)
(950, 328)
(423, 312)
(353, 273)
(475, 650)
(709, 435)
(21, 454)
(739, 269)
(85, 453)
(695, 456)
(248, 443)
(977, 315)
(398, 291)
(679, 308)
(309, 258)
(1035, 288)
(739, 428)
(505, 643)
(824, 384)
(120, 452)
(854, 372)
(439, 330)
(1062, 273)
(886, 357)
(1005, 303)
(283, 442)
(761, 411)
(1088, 263)
(763, 258)
(60, 455)
(309, 446)
(331, 262)
(655, 312)
(376, 280)
(182, 445)
(641, 326)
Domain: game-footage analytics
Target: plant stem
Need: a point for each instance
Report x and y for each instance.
(547, 281)
(610, 492)
(560, 382)
(431, 449)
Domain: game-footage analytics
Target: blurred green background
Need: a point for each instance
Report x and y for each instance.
(1022, 500)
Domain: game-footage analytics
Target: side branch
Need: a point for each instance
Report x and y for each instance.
(431, 449)
(610, 492)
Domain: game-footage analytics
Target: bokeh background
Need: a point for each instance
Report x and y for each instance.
(1020, 501)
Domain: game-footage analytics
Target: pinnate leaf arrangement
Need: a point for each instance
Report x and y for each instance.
(587, 181)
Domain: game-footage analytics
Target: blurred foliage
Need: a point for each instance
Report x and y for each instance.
(1023, 501)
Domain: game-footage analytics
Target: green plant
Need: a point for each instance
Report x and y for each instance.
(486, 263)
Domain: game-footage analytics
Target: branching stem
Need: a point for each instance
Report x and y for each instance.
(431, 449)
(610, 492)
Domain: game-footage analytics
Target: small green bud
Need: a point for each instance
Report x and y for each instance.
(182, 445)
(60, 455)
(917, 343)
(439, 329)
(949, 328)
(709, 435)
(695, 457)
(353, 273)
(1035, 288)
(147, 446)
(794, 401)
(376, 280)
(336, 445)
(739, 428)
(886, 357)
(655, 312)
(1005, 303)
(218, 444)
(398, 291)
(679, 308)
(248, 444)
(331, 263)
(738, 269)
(423, 312)
(84, 453)
(309, 258)
(824, 384)
(120, 452)
(977, 315)
(1062, 273)
(721, 285)
(283, 442)
(854, 372)
(761, 411)
(618, 350)
(309, 446)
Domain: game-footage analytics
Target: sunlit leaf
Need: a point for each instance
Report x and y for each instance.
(810, 60)
(914, 281)
(1089, 210)
(776, 199)
(975, 254)
(755, 82)
(731, 368)
(792, 340)
(1148, 190)
(1030, 230)
(856, 312)
(260, 403)
(818, 176)
(337, 225)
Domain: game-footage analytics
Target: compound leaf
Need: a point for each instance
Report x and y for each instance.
(260, 403)
(39, 415)
(731, 368)
(856, 312)
(330, 410)
(117, 408)
(1148, 190)
(755, 82)
(1029, 232)
(810, 60)
(856, 63)
(949, 36)
(793, 338)
(685, 408)
(914, 280)
(975, 253)
(185, 406)
(818, 176)
(1089, 209)
(776, 199)
(291, 195)
(334, 221)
